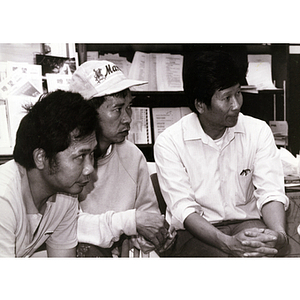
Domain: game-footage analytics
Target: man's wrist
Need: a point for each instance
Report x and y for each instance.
(283, 239)
(225, 242)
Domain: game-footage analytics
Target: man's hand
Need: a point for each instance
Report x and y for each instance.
(152, 227)
(265, 238)
(256, 242)
(170, 239)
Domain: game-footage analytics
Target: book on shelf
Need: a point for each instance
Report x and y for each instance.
(163, 71)
(280, 132)
(249, 89)
(92, 55)
(140, 131)
(163, 117)
(291, 179)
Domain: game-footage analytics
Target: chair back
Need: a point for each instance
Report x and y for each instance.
(161, 202)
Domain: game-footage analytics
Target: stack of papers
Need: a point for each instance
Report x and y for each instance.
(260, 72)
(162, 71)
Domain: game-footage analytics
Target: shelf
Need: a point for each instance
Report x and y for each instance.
(159, 99)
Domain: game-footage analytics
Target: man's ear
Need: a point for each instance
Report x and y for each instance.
(39, 158)
(200, 106)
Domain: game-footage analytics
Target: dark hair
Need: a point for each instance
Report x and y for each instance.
(98, 101)
(49, 123)
(206, 72)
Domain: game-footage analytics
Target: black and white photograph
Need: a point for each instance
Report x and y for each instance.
(163, 165)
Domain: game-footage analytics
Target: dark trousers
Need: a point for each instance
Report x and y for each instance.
(187, 245)
(89, 250)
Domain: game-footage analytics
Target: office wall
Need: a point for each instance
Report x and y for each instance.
(18, 52)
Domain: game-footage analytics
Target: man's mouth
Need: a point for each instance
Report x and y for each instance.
(82, 184)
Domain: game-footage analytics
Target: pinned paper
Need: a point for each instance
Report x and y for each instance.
(260, 72)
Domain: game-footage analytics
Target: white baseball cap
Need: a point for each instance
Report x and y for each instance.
(97, 78)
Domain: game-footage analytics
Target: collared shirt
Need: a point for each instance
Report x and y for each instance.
(229, 182)
(22, 229)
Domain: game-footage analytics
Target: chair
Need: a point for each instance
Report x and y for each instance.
(161, 202)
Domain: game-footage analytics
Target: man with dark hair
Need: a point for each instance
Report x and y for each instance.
(220, 171)
(123, 206)
(53, 159)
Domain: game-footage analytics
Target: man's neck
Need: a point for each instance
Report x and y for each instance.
(214, 132)
(39, 190)
(102, 148)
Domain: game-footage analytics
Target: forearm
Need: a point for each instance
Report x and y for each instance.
(273, 214)
(105, 229)
(206, 232)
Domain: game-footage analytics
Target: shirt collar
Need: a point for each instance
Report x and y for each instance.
(192, 129)
(26, 192)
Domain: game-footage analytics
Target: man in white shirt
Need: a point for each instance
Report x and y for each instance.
(219, 171)
(53, 160)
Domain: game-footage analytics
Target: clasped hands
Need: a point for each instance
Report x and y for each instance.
(257, 242)
(154, 232)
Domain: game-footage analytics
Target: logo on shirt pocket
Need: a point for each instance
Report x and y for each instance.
(245, 172)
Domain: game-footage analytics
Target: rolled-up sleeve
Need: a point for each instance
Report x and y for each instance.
(268, 177)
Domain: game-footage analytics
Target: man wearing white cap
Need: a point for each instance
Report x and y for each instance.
(119, 201)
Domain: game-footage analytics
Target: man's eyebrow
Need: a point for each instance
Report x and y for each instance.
(86, 150)
(118, 104)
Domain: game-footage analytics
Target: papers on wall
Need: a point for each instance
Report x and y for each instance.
(5, 141)
(140, 70)
(22, 79)
(33, 73)
(162, 71)
(119, 61)
(22, 85)
(3, 70)
(164, 117)
(169, 72)
(16, 112)
(140, 131)
(260, 72)
(58, 81)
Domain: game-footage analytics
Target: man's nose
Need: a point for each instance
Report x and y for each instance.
(126, 117)
(88, 167)
(236, 103)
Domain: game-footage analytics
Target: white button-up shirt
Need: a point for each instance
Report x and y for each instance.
(229, 182)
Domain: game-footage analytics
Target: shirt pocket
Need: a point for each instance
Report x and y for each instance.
(244, 192)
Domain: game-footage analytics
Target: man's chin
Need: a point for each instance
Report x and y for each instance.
(232, 121)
